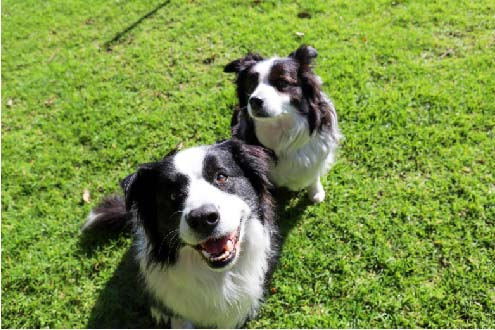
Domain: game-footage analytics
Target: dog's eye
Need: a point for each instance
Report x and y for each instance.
(252, 81)
(221, 178)
(176, 195)
(281, 84)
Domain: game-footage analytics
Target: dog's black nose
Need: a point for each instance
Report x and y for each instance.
(256, 104)
(203, 219)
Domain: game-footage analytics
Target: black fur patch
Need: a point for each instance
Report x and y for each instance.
(156, 194)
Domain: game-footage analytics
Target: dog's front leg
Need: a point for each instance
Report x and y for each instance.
(316, 193)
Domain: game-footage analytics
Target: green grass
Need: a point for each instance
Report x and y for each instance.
(406, 237)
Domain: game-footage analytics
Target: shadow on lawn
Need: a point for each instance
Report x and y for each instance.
(117, 38)
(122, 302)
(288, 214)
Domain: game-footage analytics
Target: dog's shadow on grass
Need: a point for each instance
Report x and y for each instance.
(290, 207)
(122, 303)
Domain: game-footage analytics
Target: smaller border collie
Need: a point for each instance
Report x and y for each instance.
(282, 107)
(204, 233)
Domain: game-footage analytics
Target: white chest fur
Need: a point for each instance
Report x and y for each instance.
(301, 158)
(207, 297)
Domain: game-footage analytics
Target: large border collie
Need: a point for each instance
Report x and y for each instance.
(282, 107)
(204, 234)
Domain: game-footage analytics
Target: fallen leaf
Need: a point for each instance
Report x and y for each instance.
(53, 56)
(299, 34)
(50, 101)
(10, 103)
(86, 197)
(448, 52)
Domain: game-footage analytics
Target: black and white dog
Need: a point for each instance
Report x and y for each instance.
(282, 107)
(204, 233)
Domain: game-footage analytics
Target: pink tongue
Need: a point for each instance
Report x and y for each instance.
(215, 246)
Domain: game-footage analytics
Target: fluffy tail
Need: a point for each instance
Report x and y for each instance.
(110, 215)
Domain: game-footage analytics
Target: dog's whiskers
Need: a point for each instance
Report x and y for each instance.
(176, 212)
(174, 234)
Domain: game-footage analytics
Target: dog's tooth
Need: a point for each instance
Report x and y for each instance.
(206, 254)
(229, 246)
(224, 255)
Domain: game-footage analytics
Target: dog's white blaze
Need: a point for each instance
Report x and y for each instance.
(231, 208)
(190, 161)
(263, 68)
(275, 103)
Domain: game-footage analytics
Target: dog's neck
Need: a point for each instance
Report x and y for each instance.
(194, 291)
(282, 135)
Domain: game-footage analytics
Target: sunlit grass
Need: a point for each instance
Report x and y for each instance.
(406, 235)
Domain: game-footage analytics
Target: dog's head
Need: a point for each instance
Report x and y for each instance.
(201, 198)
(275, 87)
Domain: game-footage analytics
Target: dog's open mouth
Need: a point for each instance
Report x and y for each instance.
(219, 252)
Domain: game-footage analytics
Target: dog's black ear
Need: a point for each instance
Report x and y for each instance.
(242, 63)
(127, 186)
(234, 66)
(139, 190)
(304, 54)
(256, 163)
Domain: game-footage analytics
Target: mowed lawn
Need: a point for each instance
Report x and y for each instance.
(406, 236)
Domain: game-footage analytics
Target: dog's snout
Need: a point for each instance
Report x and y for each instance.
(203, 219)
(256, 103)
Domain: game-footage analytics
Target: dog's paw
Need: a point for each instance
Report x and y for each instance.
(318, 197)
(316, 193)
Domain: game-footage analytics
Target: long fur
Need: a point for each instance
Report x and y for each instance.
(109, 215)
(291, 116)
